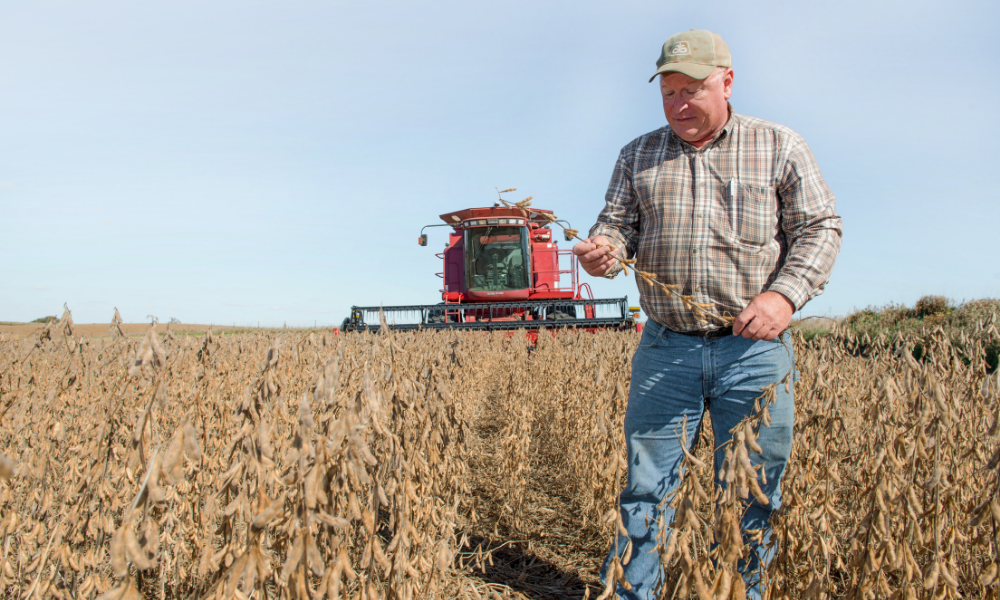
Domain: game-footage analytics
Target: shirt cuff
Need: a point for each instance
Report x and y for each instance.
(791, 288)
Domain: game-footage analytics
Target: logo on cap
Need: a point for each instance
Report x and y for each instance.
(680, 48)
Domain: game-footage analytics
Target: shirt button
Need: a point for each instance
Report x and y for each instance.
(694, 251)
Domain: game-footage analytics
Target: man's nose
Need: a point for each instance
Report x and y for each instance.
(677, 105)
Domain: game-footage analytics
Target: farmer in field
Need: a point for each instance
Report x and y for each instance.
(734, 209)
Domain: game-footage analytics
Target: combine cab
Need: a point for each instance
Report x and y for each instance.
(502, 270)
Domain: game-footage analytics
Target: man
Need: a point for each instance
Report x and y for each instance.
(734, 210)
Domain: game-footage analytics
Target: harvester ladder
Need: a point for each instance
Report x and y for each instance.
(448, 314)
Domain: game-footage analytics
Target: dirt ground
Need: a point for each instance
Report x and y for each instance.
(97, 330)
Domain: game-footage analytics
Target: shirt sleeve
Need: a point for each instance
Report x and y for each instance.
(619, 220)
(810, 224)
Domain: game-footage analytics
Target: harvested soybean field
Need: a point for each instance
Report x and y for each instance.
(405, 465)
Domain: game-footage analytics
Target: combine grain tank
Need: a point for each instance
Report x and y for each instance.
(502, 270)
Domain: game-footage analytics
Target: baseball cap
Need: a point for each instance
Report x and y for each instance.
(695, 53)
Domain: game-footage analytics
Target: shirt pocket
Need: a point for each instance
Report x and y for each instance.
(754, 213)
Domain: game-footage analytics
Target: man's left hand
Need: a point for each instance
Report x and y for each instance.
(765, 318)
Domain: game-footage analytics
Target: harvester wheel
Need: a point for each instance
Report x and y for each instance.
(559, 313)
(438, 315)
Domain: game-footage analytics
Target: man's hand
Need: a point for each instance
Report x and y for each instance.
(595, 260)
(766, 317)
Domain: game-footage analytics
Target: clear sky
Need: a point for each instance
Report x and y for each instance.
(273, 162)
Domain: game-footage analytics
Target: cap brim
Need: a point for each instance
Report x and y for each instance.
(692, 70)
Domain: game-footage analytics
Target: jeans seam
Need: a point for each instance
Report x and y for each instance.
(707, 374)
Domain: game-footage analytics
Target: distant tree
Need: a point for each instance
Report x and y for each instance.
(175, 321)
(46, 319)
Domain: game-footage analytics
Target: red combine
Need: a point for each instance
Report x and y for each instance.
(503, 270)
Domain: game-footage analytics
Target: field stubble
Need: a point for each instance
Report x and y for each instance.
(434, 465)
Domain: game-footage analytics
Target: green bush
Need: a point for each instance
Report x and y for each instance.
(972, 326)
(977, 311)
(886, 316)
(48, 319)
(932, 306)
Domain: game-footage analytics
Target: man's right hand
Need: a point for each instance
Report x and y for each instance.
(594, 254)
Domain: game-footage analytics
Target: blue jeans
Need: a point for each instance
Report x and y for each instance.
(674, 375)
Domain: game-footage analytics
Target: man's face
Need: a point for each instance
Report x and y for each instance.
(696, 108)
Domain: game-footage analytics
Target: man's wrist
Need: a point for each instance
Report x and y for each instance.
(791, 304)
(792, 291)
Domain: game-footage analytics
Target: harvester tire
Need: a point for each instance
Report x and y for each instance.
(439, 316)
(560, 313)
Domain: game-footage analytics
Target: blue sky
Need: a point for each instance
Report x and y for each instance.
(273, 162)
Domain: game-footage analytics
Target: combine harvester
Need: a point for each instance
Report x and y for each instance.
(502, 272)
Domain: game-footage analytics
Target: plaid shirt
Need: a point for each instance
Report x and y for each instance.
(747, 213)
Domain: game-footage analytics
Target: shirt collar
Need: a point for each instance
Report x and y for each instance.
(728, 127)
(724, 133)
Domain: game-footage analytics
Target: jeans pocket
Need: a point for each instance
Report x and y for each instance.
(756, 214)
(652, 335)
